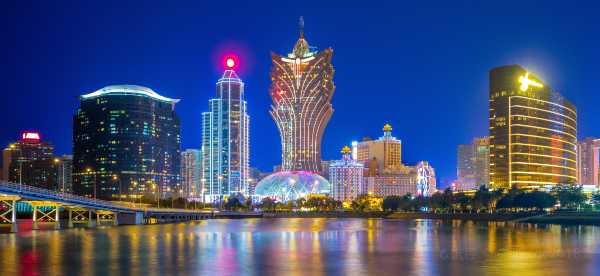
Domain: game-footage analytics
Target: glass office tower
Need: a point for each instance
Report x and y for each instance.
(225, 140)
(126, 143)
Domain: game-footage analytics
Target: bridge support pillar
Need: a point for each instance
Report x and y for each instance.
(14, 228)
(9, 211)
(106, 217)
(45, 215)
(34, 225)
(116, 219)
(91, 223)
(139, 218)
(57, 217)
(70, 223)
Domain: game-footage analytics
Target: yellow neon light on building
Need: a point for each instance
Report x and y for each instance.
(543, 155)
(526, 82)
(545, 128)
(540, 146)
(547, 102)
(542, 119)
(540, 173)
(544, 165)
(542, 137)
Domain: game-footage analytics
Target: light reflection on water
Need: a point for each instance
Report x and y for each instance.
(306, 246)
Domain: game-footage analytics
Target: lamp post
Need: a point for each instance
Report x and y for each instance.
(89, 171)
(115, 178)
(62, 173)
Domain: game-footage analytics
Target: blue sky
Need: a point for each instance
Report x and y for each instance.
(421, 66)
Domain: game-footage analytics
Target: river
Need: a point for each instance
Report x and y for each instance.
(306, 246)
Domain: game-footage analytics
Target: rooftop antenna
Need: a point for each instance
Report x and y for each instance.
(301, 25)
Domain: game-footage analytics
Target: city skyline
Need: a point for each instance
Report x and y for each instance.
(420, 129)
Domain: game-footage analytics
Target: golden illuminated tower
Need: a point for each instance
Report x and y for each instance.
(301, 90)
(533, 132)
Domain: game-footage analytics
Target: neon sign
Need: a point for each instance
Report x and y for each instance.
(30, 136)
(526, 82)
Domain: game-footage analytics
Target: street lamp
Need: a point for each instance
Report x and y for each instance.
(115, 178)
(62, 173)
(89, 171)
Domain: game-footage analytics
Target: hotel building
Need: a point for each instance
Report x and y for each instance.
(301, 91)
(346, 177)
(532, 130)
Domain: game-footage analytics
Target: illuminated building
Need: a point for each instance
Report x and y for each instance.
(588, 162)
(225, 139)
(473, 162)
(64, 173)
(384, 173)
(533, 131)
(126, 143)
(301, 91)
(291, 185)
(346, 177)
(191, 173)
(30, 161)
(414, 180)
(381, 156)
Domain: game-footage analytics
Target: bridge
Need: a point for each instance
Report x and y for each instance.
(46, 205)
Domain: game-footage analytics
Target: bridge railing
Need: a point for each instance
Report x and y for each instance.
(23, 190)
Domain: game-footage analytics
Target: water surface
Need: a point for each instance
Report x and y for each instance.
(306, 246)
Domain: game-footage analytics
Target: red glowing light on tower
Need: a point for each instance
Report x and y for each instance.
(30, 136)
(231, 62)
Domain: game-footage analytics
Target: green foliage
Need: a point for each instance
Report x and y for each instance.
(569, 196)
(267, 204)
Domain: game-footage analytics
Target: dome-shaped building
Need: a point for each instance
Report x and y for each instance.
(291, 185)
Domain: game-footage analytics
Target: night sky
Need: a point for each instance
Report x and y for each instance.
(421, 66)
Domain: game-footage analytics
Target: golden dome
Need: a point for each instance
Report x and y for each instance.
(346, 150)
(387, 127)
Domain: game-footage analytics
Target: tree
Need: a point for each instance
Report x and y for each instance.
(267, 204)
(482, 199)
(391, 203)
(233, 203)
(569, 196)
(596, 200)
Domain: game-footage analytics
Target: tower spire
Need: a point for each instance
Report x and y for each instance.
(301, 26)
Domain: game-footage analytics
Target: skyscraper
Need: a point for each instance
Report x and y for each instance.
(346, 177)
(588, 162)
(30, 161)
(191, 173)
(381, 156)
(225, 139)
(301, 91)
(473, 162)
(533, 131)
(126, 143)
(64, 173)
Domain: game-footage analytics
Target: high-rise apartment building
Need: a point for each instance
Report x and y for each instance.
(30, 161)
(126, 143)
(225, 139)
(64, 173)
(533, 131)
(588, 162)
(346, 177)
(473, 164)
(191, 173)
